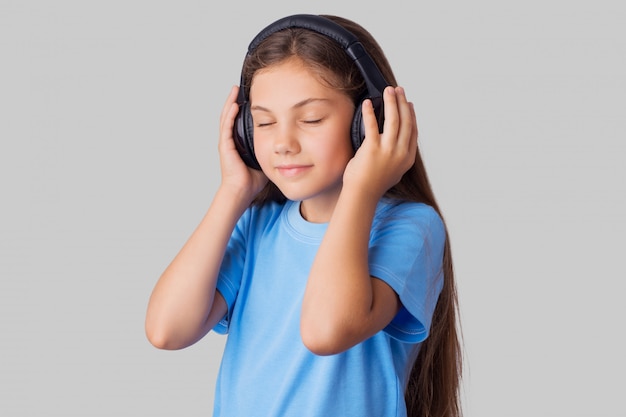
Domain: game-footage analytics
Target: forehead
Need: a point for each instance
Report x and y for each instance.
(291, 80)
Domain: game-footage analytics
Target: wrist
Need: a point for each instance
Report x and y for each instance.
(235, 199)
(361, 198)
(367, 187)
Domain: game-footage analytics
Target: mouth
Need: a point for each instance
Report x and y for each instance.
(290, 171)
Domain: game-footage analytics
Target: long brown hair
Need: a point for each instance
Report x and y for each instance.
(434, 381)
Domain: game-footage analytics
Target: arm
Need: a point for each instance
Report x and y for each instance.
(184, 304)
(343, 305)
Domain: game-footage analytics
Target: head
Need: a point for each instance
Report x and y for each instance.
(327, 58)
(434, 382)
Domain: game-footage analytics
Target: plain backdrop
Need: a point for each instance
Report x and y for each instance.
(108, 159)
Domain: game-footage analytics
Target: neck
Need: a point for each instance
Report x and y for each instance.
(318, 210)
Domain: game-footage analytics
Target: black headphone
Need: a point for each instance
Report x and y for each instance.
(243, 128)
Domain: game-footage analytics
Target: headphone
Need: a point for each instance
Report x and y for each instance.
(243, 127)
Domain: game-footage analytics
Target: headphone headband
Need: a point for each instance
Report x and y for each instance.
(374, 79)
(307, 21)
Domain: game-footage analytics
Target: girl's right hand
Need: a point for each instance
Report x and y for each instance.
(236, 175)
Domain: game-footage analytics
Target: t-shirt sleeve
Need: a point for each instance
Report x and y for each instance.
(406, 251)
(231, 270)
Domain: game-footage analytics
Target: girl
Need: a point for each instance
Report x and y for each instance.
(324, 255)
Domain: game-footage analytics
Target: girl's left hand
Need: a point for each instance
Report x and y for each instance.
(383, 158)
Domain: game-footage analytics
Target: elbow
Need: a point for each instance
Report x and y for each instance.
(321, 346)
(160, 338)
(158, 341)
(325, 339)
(157, 338)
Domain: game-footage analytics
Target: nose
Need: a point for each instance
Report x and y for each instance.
(286, 141)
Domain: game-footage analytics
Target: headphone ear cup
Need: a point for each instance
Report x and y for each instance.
(243, 135)
(357, 131)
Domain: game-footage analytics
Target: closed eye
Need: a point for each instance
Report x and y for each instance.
(312, 122)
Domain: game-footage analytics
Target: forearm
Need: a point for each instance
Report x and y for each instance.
(342, 303)
(184, 295)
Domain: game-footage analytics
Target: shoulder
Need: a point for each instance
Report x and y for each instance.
(408, 225)
(258, 218)
(409, 214)
(263, 212)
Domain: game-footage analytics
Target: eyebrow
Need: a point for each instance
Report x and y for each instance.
(297, 105)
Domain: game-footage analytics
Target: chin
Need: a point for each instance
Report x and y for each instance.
(294, 196)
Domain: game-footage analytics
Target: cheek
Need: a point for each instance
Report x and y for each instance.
(261, 146)
(336, 152)
(262, 154)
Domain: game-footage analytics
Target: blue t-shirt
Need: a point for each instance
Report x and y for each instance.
(266, 370)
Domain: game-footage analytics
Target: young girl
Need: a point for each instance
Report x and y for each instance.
(323, 254)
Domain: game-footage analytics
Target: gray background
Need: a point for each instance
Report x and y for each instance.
(108, 126)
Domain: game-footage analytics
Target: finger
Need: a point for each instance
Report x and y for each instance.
(369, 121)
(232, 98)
(406, 121)
(392, 117)
(414, 131)
(228, 121)
(229, 112)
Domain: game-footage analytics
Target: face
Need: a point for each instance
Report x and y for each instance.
(301, 135)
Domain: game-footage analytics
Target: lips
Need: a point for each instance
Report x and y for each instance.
(292, 170)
